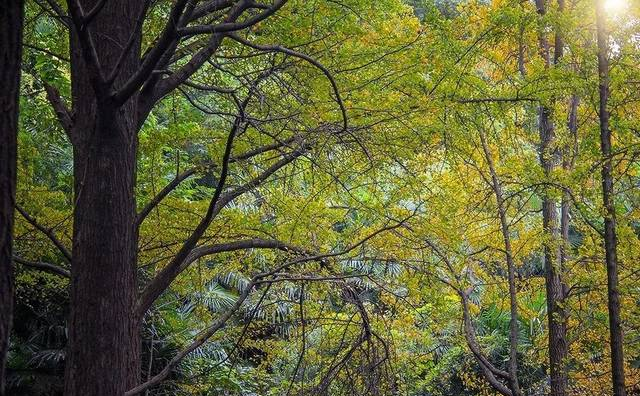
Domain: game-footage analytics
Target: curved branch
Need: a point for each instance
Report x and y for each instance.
(255, 243)
(201, 339)
(227, 27)
(300, 55)
(163, 193)
(263, 149)
(166, 276)
(472, 342)
(173, 269)
(209, 7)
(43, 266)
(48, 232)
(218, 324)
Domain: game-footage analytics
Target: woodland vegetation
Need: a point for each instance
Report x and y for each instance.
(320, 197)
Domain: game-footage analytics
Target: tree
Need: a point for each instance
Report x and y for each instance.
(11, 20)
(608, 197)
(114, 88)
(242, 235)
(554, 260)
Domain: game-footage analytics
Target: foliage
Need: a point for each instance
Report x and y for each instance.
(420, 82)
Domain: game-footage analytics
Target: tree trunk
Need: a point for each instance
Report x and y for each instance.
(553, 251)
(103, 357)
(514, 384)
(11, 20)
(553, 265)
(610, 238)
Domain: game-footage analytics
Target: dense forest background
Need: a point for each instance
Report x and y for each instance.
(319, 197)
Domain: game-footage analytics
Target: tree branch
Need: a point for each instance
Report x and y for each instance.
(166, 276)
(218, 324)
(168, 84)
(263, 149)
(48, 232)
(88, 49)
(296, 54)
(150, 61)
(227, 27)
(173, 269)
(163, 193)
(43, 266)
(61, 110)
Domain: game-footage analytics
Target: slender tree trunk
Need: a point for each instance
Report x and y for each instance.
(553, 258)
(610, 238)
(553, 265)
(103, 357)
(11, 20)
(511, 269)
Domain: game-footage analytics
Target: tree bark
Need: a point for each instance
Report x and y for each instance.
(610, 238)
(11, 25)
(553, 266)
(103, 356)
(554, 230)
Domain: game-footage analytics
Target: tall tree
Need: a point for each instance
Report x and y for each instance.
(608, 198)
(553, 259)
(114, 87)
(11, 21)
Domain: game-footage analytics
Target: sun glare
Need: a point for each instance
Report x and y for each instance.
(615, 6)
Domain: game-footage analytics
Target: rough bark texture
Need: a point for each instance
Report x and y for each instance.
(103, 354)
(553, 253)
(11, 20)
(553, 266)
(610, 238)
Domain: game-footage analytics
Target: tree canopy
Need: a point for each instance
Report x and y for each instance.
(353, 197)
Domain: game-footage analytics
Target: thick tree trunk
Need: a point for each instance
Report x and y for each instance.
(103, 357)
(11, 20)
(610, 238)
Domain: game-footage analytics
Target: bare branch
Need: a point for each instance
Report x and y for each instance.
(201, 339)
(210, 7)
(173, 269)
(43, 266)
(163, 193)
(61, 110)
(227, 27)
(48, 232)
(497, 100)
(218, 324)
(168, 274)
(87, 48)
(296, 54)
(150, 61)
(263, 149)
(188, 69)
(255, 243)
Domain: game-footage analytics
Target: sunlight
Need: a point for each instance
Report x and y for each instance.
(615, 6)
